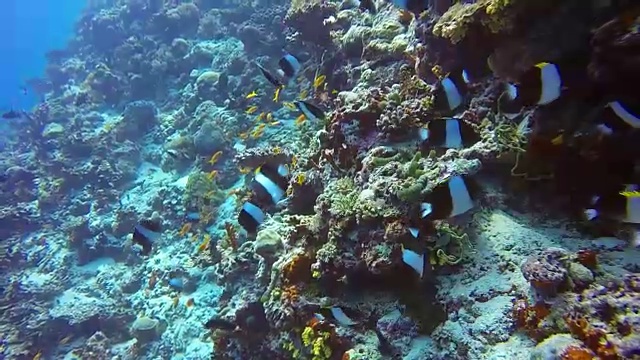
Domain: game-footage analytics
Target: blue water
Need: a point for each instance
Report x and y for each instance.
(30, 28)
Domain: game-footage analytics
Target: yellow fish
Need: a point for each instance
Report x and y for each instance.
(318, 81)
(215, 157)
(300, 120)
(289, 105)
(244, 170)
(257, 133)
(300, 179)
(243, 135)
(630, 194)
(275, 123)
(276, 95)
(303, 94)
(252, 94)
(294, 161)
(184, 230)
(251, 109)
(269, 117)
(212, 174)
(261, 116)
(334, 91)
(38, 356)
(277, 150)
(66, 339)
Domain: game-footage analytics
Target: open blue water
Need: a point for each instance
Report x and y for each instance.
(29, 29)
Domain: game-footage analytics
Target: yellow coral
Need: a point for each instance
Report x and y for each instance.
(318, 342)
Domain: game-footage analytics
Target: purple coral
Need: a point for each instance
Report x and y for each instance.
(545, 272)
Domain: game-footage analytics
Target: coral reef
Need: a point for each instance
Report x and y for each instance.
(154, 130)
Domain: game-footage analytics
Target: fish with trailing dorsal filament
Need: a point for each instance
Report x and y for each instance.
(450, 133)
(145, 233)
(269, 186)
(12, 114)
(270, 77)
(453, 198)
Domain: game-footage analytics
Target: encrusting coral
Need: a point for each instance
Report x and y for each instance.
(129, 194)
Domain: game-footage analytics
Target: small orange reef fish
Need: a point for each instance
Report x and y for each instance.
(205, 243)
(300, 120)
(252, 94)
(276, 95)
(190, 302)
(212, 174)
(184, 229)
(251, 109)
(215, 157)
(318, 81)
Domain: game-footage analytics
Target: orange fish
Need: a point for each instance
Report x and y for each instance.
(184, 229)
(243, 135)
(205, 243)
(300, 120)
(215, 157)
(190, 302)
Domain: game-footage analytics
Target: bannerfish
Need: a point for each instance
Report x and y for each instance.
(270, 77)
(414, 6)
(450, 91)
(455, 197)
(450, 133)
(309, 110)
(268, 186)
(145, 233)
(618, 117)
(415, 261)
(616, 206)
(290, 66)
(339, 315)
